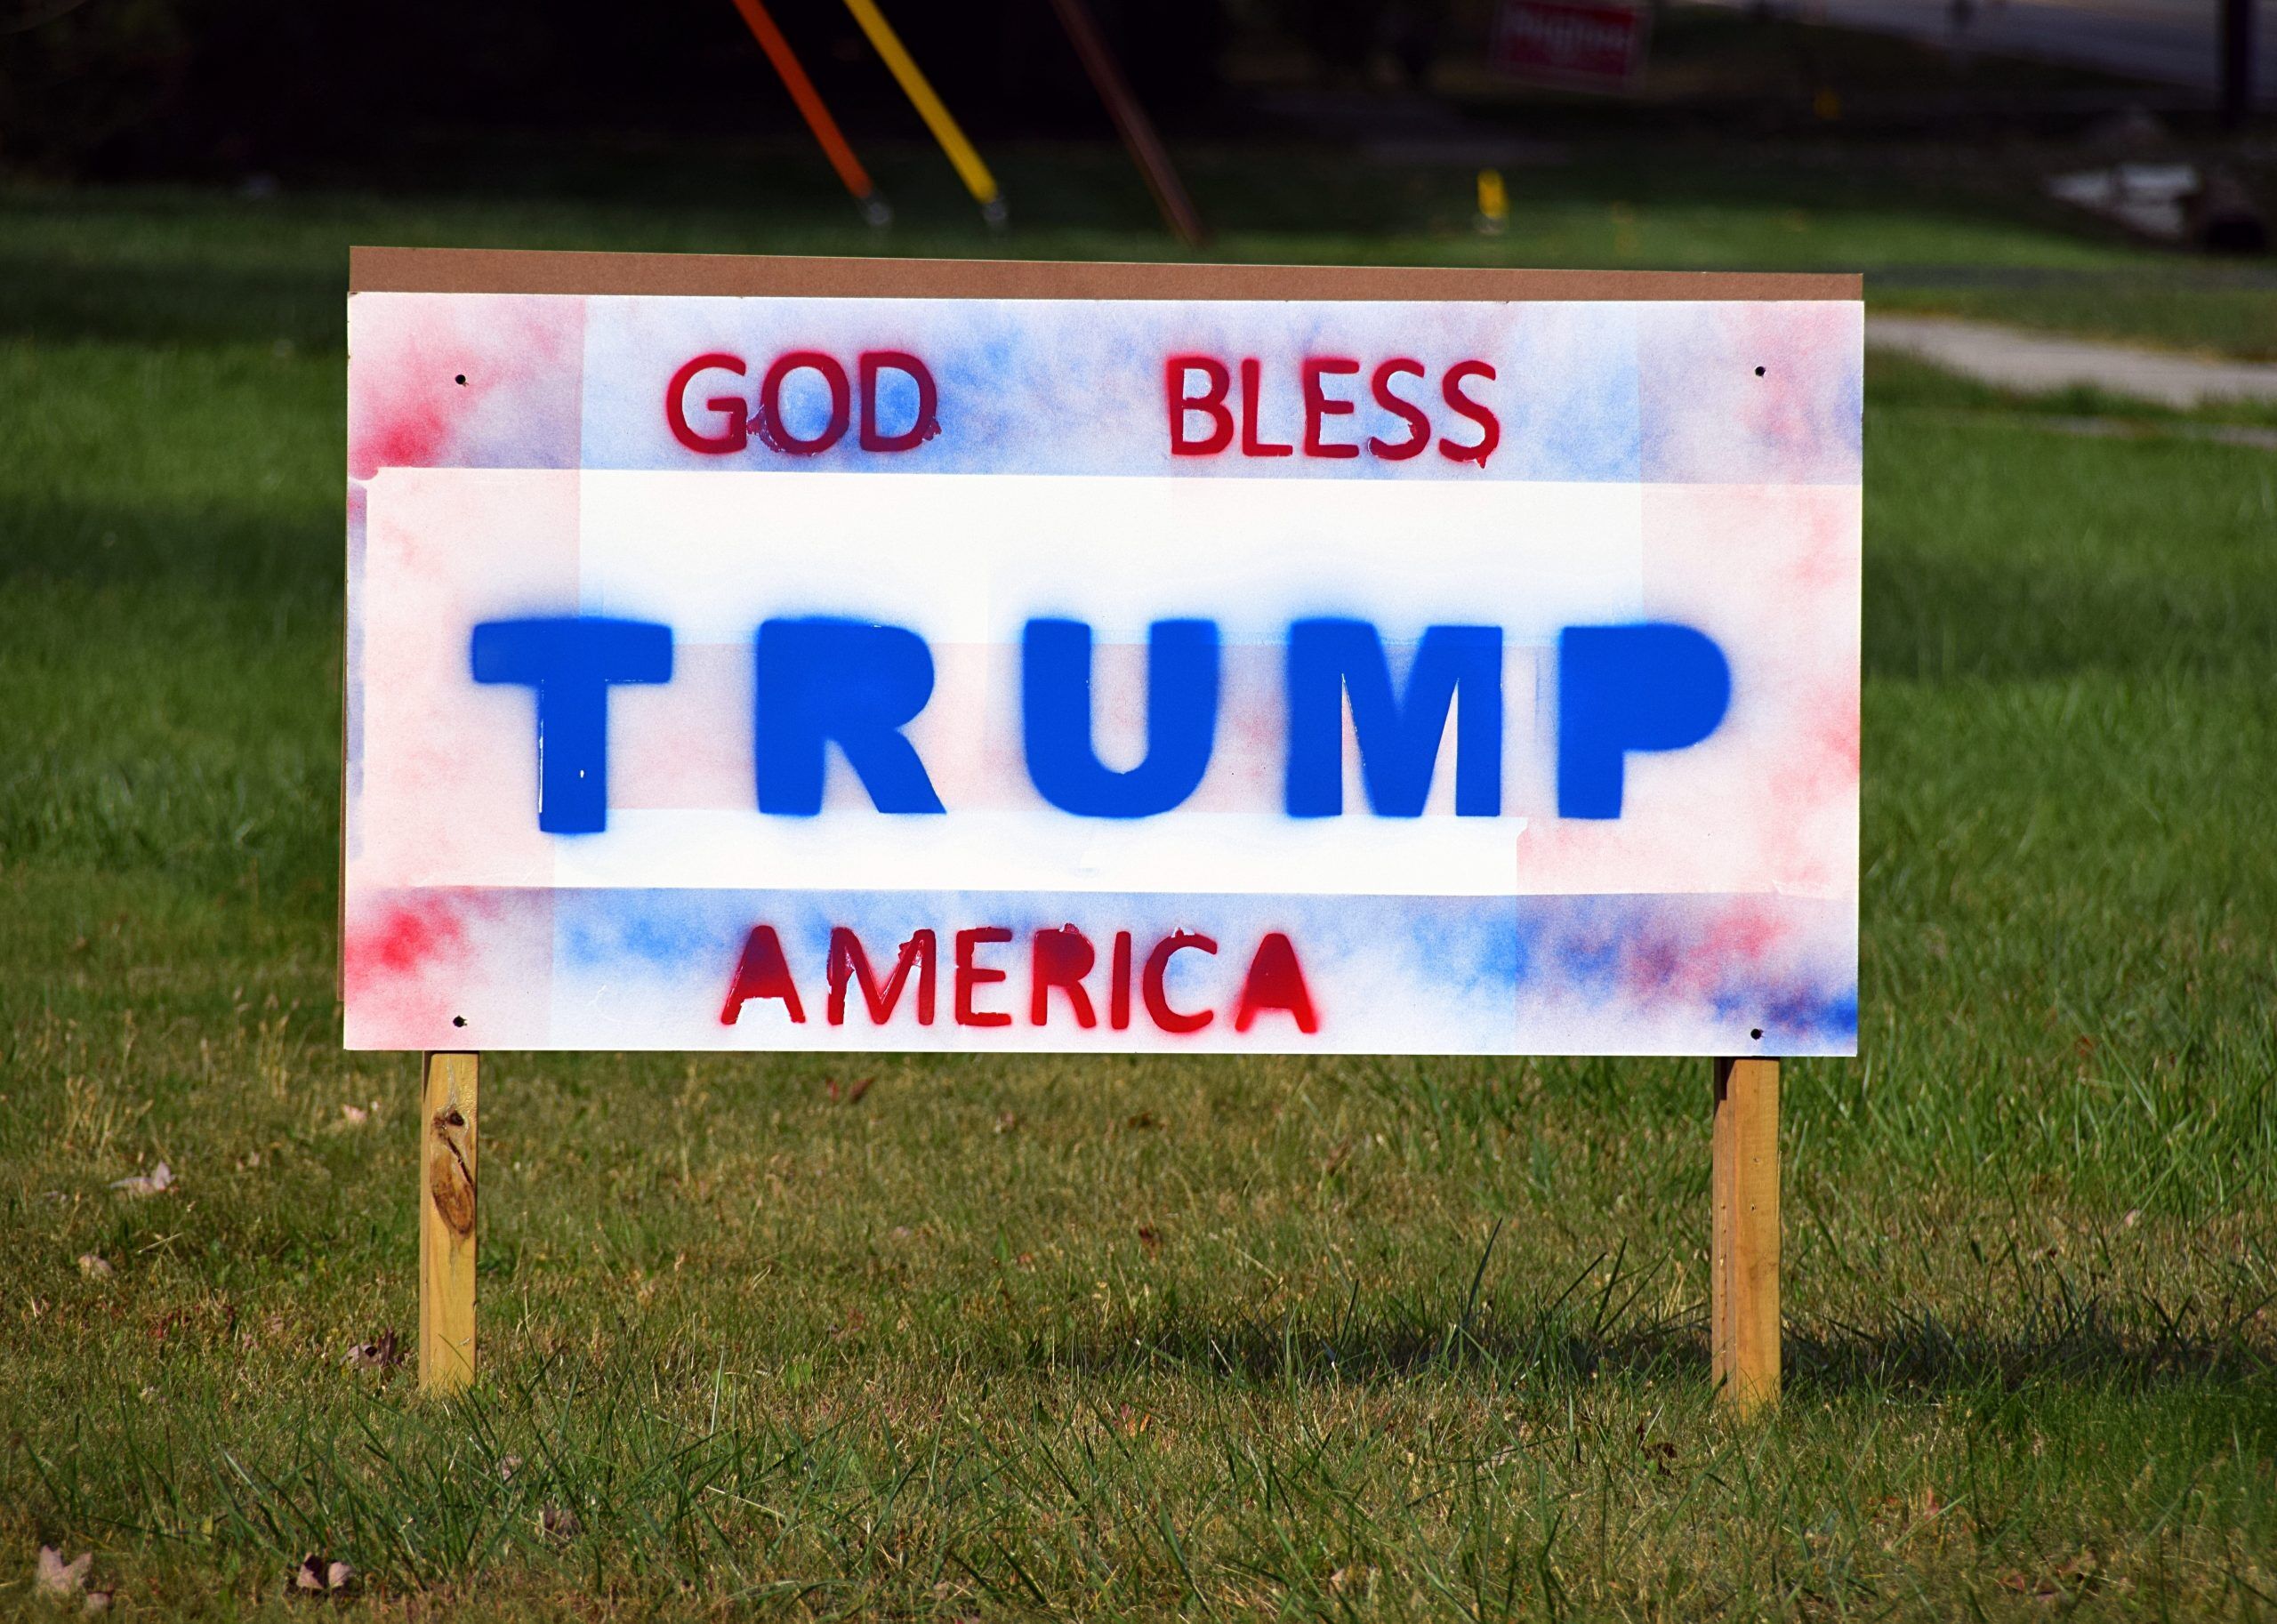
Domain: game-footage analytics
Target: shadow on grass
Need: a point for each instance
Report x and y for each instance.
(1928, 1357)
(276, 559)
(1938, 618)
(64, 301)
(1921, 1356)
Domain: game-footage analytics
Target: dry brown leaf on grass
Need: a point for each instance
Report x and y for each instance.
(59, 1580)
(66, 1582)
(383, 1353)
(321, 1576)
(157, 1181)
(2039, 1590)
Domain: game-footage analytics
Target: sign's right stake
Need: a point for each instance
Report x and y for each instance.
(446, 1202)
(1743, 1254)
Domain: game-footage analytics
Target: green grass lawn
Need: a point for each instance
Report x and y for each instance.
(940, 1337)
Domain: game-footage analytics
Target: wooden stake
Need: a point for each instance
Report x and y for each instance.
(447, 1190)
(1743, 1256)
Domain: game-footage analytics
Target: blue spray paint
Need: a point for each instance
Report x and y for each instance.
(1650, 686)
(1182, 668)
(822, 681)
(1398, 735)
(571, 661)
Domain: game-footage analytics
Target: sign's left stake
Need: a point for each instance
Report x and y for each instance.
(446, 1200)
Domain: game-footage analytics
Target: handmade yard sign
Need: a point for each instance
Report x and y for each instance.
(763, 654)
(1574, 44)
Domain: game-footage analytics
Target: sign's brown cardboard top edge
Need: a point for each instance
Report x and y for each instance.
(510, 270)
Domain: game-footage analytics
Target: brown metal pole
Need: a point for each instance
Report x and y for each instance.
(2237, 62)
(1137, 130)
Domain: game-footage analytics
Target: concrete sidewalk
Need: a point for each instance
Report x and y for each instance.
(2039, 363)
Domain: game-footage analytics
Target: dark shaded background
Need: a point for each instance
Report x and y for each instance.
(522, 98)
(220, 89)
(111, 88)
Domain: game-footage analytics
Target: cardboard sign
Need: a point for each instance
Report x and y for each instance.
(1575, 44)
(869, 655)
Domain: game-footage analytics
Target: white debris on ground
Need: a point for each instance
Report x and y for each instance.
(2042, 363)
(2151, 198)
(157, 1181)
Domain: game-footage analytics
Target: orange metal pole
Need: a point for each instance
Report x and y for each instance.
(810, 106)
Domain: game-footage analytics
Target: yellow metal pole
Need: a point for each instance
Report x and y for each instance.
(970, 169)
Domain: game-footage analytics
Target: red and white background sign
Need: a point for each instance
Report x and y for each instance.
(1223, 662)
(1580, 44)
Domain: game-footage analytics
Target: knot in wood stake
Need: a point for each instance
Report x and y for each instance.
(450, 1184)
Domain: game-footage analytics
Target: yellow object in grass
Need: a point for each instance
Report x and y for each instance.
(1493, 201)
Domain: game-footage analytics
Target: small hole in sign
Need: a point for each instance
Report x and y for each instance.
(461, 377)
(460, 1020)
(1754, 1032)
(1759, 373)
